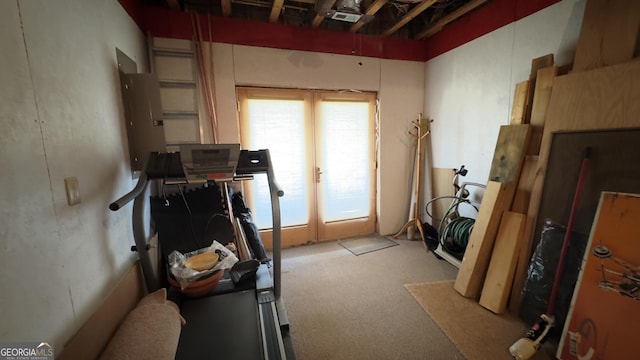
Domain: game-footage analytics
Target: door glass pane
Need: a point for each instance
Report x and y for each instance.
(346, 160)
(278, 125)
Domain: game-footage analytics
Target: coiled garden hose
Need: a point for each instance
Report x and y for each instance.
(453, 235)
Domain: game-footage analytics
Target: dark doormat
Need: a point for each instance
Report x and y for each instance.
(367, 244)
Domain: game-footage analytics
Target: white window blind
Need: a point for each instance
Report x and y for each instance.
(345, 178)
(279, 125)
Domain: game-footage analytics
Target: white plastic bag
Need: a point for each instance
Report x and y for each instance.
(185, 275)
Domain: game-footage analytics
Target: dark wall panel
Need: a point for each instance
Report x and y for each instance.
(614, 166)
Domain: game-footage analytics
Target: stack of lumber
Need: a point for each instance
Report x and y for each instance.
(488, 268)
(598, 93)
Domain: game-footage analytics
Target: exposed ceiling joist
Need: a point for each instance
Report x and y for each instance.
(323, 6)
(463, 10)
(173, 4)
(226, 7)
(275, 10)
(415, 11)
(371, 10)
(381, 17)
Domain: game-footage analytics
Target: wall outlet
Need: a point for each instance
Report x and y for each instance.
(73, 190)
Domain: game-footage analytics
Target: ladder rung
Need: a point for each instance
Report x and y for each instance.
(180, 115)
(175, 145)
(177, 83)
(173, 52)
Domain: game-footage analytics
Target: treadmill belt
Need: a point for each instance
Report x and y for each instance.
(221, 327)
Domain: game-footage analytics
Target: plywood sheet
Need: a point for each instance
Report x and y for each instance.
(510, 150)
(604, 98)
(612, 166)
(497, 199)
(603, 317)
(608, 35)
(600, 99)
(497, 284)
(609, 168)
(541, 97)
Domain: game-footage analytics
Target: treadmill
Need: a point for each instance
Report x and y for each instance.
(247, 320)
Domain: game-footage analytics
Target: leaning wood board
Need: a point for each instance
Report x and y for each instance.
(497, 199)
(522, 266)
(525, 184)
(536, 64)
(604, 312)
(497, 284)
(600, 99)
(509, 153)
(608, 35)
(520, 103)
(520, 205)
(541, 97)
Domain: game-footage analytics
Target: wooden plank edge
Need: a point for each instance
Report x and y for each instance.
(474, 264)
(500, 273)
(522, 265)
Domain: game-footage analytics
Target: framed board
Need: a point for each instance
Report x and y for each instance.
(603, 317)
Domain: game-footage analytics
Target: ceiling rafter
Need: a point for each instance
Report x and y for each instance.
(275, 10)
(415, 11)
(456, 14)
(226, 7)
(371, 10)
(173, 4)
(323, 6)
(433, 15)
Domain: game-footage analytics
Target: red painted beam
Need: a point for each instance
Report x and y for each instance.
(490, 17)
(175, 24)
(134, 9)
(525, 8)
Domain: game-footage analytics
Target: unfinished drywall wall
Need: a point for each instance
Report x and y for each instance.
(61, 116)
(400, 87)
(469, 90)
(401, 84)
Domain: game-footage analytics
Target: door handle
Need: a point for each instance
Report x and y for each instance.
(318, 172)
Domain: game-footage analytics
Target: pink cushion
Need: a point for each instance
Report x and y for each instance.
(150, 331)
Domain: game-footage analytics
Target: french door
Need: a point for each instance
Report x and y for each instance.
(322, 149)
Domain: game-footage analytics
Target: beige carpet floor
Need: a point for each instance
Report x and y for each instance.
(477, 332)
(366, 244)
(346, 307)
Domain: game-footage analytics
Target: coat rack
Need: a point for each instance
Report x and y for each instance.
(422, 130)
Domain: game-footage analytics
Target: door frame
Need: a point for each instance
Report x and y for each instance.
(299, 235)
(358, 226)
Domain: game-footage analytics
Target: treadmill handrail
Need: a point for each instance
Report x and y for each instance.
(137, 190)
(272, 177)
(139, 235)
(276, 186)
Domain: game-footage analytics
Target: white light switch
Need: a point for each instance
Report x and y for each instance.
(73, 190)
